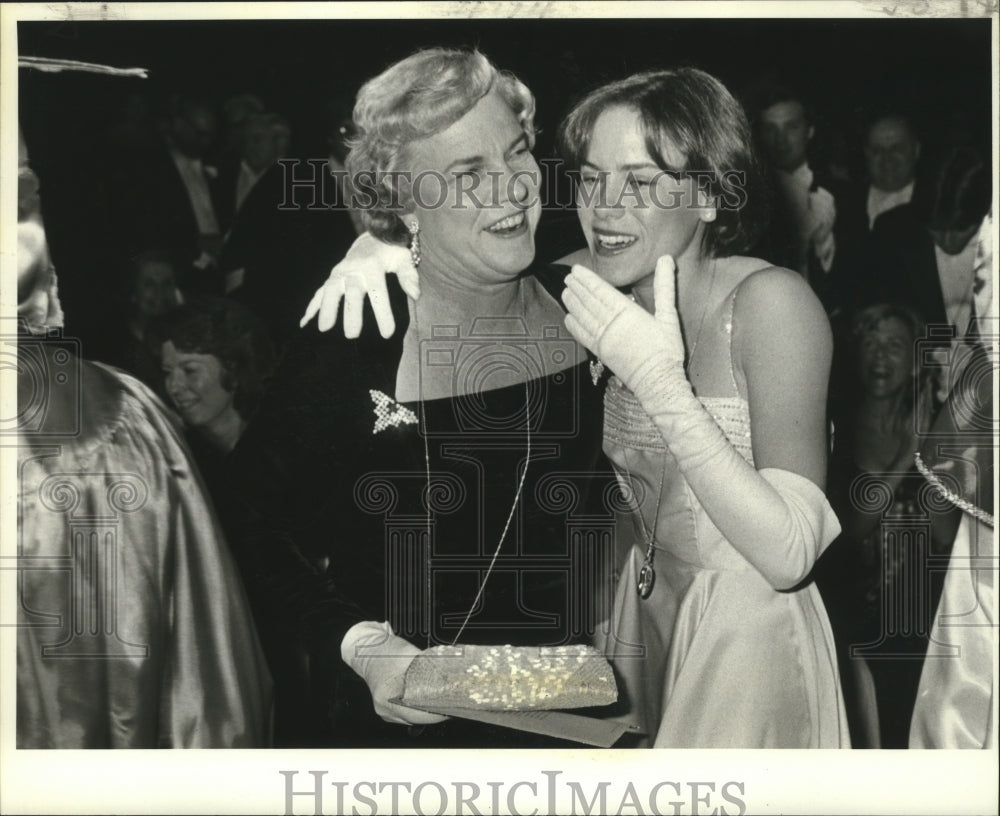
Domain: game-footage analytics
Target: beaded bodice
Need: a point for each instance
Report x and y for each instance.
(627, 425)
(665, 505)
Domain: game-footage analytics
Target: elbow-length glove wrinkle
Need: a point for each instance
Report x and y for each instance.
(778, 520)
(786, 521)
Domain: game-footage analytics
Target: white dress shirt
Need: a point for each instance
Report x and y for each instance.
(814, 214)
(245, 182)
(957, 274)
(880, 201)
(193, 175)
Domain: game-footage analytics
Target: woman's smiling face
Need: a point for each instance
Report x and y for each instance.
(886, 358)
(194, 384)
(476, 194)
(632, 212)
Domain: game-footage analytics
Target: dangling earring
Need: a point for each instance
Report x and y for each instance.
(707, 203)
(414, 229)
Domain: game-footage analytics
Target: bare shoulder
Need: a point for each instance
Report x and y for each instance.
(765, 292)
(774, 306)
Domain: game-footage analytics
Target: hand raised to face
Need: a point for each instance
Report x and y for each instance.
(632, 342)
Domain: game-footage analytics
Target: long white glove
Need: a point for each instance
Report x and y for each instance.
(780, 521)
(362, 272)
(381, 659)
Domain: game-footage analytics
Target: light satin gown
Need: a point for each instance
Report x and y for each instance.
(714, 657)
(133, 627)
(954, 707)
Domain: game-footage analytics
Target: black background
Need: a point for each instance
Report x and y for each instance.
(937, 70)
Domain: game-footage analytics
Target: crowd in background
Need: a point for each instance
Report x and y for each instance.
(205, 271)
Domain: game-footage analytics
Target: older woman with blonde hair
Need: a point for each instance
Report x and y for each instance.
(401, 493)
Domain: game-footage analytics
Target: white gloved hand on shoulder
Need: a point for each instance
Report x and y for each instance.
(362, 272)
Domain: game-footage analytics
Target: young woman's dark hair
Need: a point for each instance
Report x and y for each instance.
(959, 194)
(698, 115)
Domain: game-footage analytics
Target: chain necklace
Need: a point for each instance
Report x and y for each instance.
(951, 496)
(513, 506)
(647, 573)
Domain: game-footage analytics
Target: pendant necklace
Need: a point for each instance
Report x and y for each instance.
(513, 506)
(647, 573)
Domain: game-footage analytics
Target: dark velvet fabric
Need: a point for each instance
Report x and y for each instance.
(333, 520)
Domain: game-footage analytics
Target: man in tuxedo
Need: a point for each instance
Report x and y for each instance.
(266, 137)
(923, 254)
(801, 235)
(292, 228)
(167, 197)
(891, 150)
(891, 153)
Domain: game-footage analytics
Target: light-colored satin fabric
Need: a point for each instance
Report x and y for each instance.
(725, 660)
(176, 661)
(954, 707)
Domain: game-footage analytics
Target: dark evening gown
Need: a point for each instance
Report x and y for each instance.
(340, 522)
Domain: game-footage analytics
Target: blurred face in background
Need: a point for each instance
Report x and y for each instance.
(266, 142)
(954, 241)
(155, 289)
(891, 152)
(784, 134)
(192, 129)
(886, 358)
(236, 110)
(194, 383)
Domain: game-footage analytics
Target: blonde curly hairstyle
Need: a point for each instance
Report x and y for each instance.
(415, 98)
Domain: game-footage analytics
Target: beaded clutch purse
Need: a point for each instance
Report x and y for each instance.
(509, 678)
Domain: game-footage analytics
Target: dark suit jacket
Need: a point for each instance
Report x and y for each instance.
(779, 241)
(853, 236)
(225, 192)
(150, 208)
(286, 248)
(225, 206)
(900, 267)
